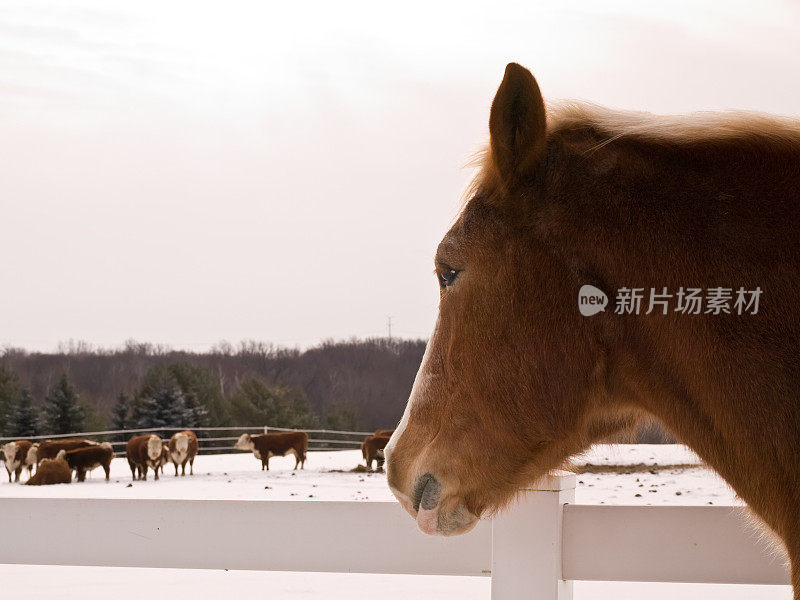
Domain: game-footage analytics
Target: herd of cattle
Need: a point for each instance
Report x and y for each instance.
(55, 461)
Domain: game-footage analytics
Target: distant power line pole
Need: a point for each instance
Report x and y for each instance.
(389, 327)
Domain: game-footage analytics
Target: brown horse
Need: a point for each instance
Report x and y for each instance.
(515, 379)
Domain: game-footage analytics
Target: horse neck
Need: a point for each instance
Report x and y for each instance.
(725, 386)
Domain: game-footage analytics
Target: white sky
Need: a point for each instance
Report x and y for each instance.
(187, 172)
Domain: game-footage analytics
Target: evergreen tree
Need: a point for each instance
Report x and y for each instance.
(275, 406)
(93, 420)
(163, 406)
(22, 420)
(62, 411)
(293, 407)
(188, 396)
(343, 417)
(202, 391)
(196, 413)
(120, 412)
(121, 415)
(9, 392)
(160, 407)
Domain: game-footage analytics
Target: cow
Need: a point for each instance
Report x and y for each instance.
(51, 448)
(266, 445)
(33, 455)
(87, 458)
(164, 457)
(183, 449)
(51, 471)
(372, 449)
(15, 456)
(143, 451)
(386, 432)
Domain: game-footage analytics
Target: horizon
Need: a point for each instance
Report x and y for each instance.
(74, 347)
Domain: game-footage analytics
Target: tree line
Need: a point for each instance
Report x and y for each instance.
(355, 384)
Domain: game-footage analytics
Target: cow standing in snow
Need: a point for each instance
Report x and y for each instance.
(82, 460)
(15, 456)
(266, 445)
(144, 451)
(183, 449)
(372, 449)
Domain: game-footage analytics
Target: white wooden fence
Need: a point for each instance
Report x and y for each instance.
(533, 550)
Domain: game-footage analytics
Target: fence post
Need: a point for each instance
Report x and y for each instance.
(526, 543)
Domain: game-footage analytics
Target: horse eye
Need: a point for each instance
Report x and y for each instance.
(447, 277)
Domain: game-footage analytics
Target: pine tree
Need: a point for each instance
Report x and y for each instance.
(341, 417)
(22, 420)
(293, 409)
(120, 415)
(276, 406)
(9, 391)
(162, 406)
(176, 395)
(62, 412)
(202, 392)
(196, 413)
(120, 412)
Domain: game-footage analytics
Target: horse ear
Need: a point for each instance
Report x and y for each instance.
(517, 126)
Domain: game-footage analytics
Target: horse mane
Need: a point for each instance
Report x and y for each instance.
(750, 129)
(700, 126)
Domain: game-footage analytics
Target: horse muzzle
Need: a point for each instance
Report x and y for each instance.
(426, 507)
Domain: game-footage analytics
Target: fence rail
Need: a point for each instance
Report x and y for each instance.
(690, 544)
(535, 549)
(212, 444)
(243, 428)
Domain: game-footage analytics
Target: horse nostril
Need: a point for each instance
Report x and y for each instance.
(427, 491)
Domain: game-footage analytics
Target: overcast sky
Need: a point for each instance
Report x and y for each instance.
(187, 172)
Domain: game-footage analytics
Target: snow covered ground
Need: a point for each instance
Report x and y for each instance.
(231, 476)
(626, 474)
(619, 474)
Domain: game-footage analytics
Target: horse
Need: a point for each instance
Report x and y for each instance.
(516, 378)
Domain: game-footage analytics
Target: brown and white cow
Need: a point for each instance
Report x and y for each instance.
(266, 445)
(386, 432)
(82, 460)
(15, 456)
(143, 451)
(51, 471)
(372, 449)
(183, 449)
(51, 448)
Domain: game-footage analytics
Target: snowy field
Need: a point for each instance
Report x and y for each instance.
(620, 474)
